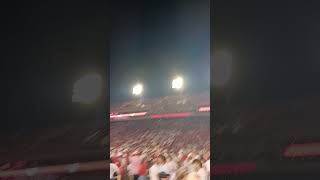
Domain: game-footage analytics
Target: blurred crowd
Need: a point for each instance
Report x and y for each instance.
(160, 149)
(167, 104)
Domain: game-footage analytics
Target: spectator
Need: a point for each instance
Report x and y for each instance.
(197, 171)
(172, 167)
(154, 170)
(114, 172)
(143, 169)
(134, 164)
(163, 168)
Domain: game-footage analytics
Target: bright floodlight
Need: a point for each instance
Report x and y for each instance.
(177, 83)
(87, 89)
(137, 89)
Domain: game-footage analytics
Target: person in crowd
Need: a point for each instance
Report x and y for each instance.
(163, 170)
(182, 174)
(197, 171)
(133, 167)
(207, 163)
(192, 176)
(122, 168)
(143, 169)
(114, 172)
(172, 167)
(154, 170)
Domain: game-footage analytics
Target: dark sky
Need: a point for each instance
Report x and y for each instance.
(152, 41)
(50, 45)
(274, 47)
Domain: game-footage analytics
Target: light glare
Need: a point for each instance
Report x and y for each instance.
(137, 89)
(177, 83)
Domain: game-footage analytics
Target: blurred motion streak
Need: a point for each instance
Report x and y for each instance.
(176, 115)
(204, 109)
(301, 150)
(58, 169)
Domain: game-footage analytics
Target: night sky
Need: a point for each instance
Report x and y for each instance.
(274, 47)
(152, 41)
(50, 45)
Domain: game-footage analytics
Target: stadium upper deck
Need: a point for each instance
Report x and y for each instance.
(165, 105)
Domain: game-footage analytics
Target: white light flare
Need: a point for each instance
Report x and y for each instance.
(177, 83)
(137, 90)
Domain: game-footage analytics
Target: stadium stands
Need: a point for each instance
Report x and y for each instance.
(84, 138)
(170, 134)
(171, 128)
(168, 104)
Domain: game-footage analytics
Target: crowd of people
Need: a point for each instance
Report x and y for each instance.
(161, 165)
(170, 149)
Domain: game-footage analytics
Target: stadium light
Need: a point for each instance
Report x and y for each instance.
(177, 83)
(87, 89)
(137, 89)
